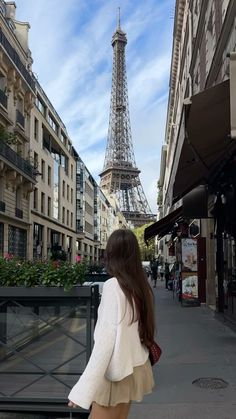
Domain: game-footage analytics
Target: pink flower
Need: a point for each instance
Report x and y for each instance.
(56, 264)
(78, 258)
(8, 256)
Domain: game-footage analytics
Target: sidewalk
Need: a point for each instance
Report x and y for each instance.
(195, 345)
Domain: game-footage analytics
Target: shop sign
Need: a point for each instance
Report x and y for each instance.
(189, 272)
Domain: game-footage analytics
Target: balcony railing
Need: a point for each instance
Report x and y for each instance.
(16, 160)
(20, 118)
(79, 229)
(18, 213)
(2, 206)
(3, 99)
(16, 60)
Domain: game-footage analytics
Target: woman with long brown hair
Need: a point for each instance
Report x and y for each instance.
(119, 370)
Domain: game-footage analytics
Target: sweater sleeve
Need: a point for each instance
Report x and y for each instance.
(84, 391)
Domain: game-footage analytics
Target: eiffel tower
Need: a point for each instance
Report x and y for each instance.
(120, 175)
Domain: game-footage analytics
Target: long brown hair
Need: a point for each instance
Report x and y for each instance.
(123, 261)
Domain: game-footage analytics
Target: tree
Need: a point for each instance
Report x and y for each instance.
(147, 251)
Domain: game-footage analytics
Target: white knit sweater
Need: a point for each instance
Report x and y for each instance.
(117, 347)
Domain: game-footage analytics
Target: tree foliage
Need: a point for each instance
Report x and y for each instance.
(147, 251)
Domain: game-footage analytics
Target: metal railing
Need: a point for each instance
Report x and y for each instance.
(45, 344)
(3, 99)
(16, 60)
(2, 206)
(20, 118)
(18, 161)
(18, 213)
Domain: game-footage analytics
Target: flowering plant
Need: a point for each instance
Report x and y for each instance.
(41, 273)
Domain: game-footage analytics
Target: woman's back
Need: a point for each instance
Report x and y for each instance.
(115, 311)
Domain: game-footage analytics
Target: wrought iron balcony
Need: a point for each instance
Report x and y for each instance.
(18, 213)
(3, 99)
(79, 228)
(20, 118)
(12, 157)
(2, 206)
(16, 60)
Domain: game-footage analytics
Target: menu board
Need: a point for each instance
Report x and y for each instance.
(189, 286)
(189, 272)
(189, 255)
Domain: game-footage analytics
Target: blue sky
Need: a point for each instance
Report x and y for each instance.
(70, 43)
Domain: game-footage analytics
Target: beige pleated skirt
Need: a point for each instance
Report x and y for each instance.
(131, 388)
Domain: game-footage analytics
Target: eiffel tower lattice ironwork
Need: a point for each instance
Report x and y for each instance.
(120, 175)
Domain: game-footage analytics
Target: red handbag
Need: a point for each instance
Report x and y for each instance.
(154, 353)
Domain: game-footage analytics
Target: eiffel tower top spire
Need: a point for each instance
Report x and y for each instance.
(118, 19)
(120, 175)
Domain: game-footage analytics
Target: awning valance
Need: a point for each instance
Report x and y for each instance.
(194, 205)
(164, 225)
(206, 140)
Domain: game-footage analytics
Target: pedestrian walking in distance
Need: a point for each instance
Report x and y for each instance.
(119, 369)
(154, 268)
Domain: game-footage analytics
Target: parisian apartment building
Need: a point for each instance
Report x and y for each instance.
(198, 153)
(49, 201)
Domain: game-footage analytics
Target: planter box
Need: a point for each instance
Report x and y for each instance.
(46, 338)
(29, 293)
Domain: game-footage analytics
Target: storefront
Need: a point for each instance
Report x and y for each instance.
(224, 212)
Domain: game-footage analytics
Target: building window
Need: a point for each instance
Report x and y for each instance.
(36, 160)
(35, 199)
(40, 105)
(49, 207)
(71, 219)
(17, 241)
(66, 165)
(42, 202)
(63, 138)
(63, 215)
(71, 196)
(19, 197)
(85, 247)
(56, 189)
(67, 217)
(2, 188)
(52, 123)
(37, 241)
(63, 188)
(36, 129)
(49, 175)
(3, 96)
(1, 238)
(43, 170)
(68, 193)
(71, 171)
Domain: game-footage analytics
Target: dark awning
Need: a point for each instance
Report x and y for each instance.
(206, 139)
(164, 225)
(194, 205)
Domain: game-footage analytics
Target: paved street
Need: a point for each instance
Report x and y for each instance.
(195, 345)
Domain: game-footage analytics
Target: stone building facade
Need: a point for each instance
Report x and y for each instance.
(17, 94)
(54, 196)
(199, 131)
(49, 201)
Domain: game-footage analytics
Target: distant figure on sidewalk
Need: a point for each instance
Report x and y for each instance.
(119, 369)
(167, 274)
(154, 269)
(162, 271)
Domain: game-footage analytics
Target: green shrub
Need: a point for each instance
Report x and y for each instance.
(38, 273)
